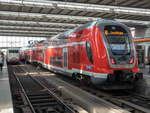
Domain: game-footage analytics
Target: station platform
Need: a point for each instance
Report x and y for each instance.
(6, 105)
(145, 70)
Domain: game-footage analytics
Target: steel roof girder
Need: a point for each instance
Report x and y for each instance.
(43, 16)
(24, 34)
(2, 27)
(37, 24)
(28, 32)
(146, 23)
(65, 17)
(80, 7)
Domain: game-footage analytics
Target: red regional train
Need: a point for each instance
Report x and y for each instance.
(99, 51)
(26, 54)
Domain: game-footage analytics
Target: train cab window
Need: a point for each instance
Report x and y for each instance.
(79, 34)
(118, 39)
(13, 51)
(89, 52)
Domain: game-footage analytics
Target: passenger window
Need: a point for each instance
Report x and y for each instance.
(59, 61)
(53, 60)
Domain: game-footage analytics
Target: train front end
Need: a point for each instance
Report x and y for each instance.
(120, 56)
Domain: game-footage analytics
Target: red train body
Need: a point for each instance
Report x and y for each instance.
(26, 54)
(98, 51)
(29, 55)
(22, 54)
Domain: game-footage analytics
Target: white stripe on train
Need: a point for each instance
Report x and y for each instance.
(96, 75)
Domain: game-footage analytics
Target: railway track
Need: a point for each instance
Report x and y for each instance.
(134, 104)
(127, 100)
(36, 96)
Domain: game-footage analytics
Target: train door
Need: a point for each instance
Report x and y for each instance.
(148, 58)
(43, 55)
(65, 58)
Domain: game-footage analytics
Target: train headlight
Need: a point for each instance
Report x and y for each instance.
(132, 60)
(112, 60)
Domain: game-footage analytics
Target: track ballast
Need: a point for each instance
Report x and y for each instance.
(34, 96)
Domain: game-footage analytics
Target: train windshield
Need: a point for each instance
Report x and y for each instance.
(13, 51)
(118, 39)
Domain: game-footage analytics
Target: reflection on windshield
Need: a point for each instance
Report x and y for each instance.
(119, 44)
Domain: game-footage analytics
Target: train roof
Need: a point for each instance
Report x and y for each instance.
(88, 25)
(64, 35)
(109, 22)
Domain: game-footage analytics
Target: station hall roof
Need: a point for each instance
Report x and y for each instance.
(38, 17)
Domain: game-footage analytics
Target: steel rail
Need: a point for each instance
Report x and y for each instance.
(50, 92)
(118, 100)
(30, 105)
(115, 100)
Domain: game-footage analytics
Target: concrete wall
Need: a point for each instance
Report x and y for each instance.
(142, 32)
(147, 33)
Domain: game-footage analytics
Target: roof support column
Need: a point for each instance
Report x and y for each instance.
(142, 32)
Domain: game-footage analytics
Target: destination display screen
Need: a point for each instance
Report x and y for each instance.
(113, 33)
(114, 30)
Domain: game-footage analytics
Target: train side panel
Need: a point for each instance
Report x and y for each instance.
(98, 51)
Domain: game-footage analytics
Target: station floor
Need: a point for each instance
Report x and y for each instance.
(145, 70)
(5, 94)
